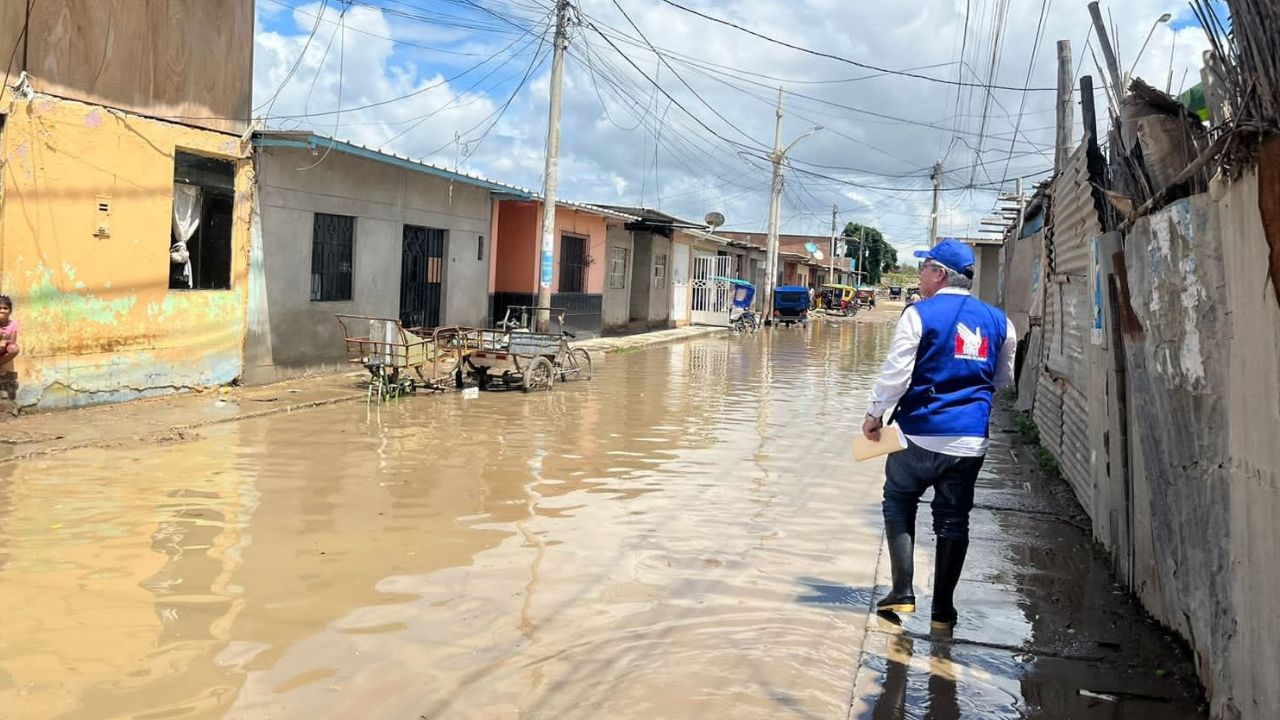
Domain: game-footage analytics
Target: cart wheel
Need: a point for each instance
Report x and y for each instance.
(540, 375)
(582, 362)
(481, 376)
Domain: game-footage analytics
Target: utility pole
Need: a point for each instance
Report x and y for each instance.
(775, 207)
(1066, 117)
(1108, 53)
(1022, 209)
(548, 249)
(831, 264)
(936, 176)
(862, 254)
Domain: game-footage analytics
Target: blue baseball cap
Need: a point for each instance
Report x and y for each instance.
(952, 254)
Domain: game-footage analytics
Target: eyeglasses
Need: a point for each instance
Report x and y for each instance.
(934, 266)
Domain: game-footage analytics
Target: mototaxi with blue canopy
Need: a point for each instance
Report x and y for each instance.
(743, 291)
(740, 315)
(790, 304)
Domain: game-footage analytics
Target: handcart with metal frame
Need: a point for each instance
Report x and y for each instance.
(403, 360)
(514, 355)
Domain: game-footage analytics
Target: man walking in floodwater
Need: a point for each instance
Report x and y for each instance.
(949, 355)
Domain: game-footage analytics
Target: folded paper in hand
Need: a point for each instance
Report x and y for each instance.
(891, 441)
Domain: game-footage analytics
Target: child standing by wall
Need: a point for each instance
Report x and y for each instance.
(8, 351)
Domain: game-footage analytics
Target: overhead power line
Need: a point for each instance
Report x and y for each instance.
(838, 58)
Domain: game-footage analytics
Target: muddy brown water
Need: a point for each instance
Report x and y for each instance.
(682, 537)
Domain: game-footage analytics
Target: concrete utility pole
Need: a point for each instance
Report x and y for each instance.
(775, 208)
(831, 259)
(1066, 117)
(775, 199)
(862, 254)
(548, 249)
(936, 176)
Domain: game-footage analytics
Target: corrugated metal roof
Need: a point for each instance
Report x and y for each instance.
(311, 141)
(649, 215)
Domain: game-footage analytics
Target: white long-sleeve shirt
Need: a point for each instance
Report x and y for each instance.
(895, 379)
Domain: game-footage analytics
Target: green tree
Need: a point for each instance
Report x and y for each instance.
(879, 256)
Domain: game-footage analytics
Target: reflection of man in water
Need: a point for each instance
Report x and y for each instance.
(949, 355)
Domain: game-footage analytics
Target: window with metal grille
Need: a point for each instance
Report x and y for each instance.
(332, 251)
(573, 264)
(659, 270)
(617, 268)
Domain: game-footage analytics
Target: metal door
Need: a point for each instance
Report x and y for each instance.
(421, 276)
(712, 300)
(680, 283)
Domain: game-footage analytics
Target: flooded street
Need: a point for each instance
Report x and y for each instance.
(685, 536)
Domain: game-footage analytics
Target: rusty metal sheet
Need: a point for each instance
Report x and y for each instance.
(1269, 207)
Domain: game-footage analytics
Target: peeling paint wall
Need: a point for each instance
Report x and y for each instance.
(1183, 390)
(99, 323)
(1178, 370)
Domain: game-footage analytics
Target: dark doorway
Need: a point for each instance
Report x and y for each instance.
(421, 277)
(573, 264)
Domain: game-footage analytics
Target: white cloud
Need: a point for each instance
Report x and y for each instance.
(608, 155)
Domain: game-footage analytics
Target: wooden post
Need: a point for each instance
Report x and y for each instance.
(1087, 113)
(1065, 117)
(1108, 53)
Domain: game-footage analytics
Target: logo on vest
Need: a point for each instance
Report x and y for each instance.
(970, 345)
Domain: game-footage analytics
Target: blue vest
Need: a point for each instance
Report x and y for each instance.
(955, 373)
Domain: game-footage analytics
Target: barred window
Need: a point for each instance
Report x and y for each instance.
(617, 268)
(660, 271)
(332, 250)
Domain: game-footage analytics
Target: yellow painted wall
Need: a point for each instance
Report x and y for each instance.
(99, 323)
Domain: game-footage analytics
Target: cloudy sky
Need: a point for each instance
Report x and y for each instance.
(687, 127)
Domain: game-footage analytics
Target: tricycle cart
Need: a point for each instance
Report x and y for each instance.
(513, 355)
(401, 360)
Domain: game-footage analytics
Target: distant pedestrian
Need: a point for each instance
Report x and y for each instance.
(949, 355)
(8, 351)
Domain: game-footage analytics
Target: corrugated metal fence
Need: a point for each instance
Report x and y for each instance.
(1061, 404)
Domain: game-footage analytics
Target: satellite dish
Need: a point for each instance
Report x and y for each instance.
(714, 220)
(817, 254)
(813, 249)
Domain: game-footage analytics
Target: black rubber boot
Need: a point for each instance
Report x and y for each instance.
(902, 598)
(949, 563)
